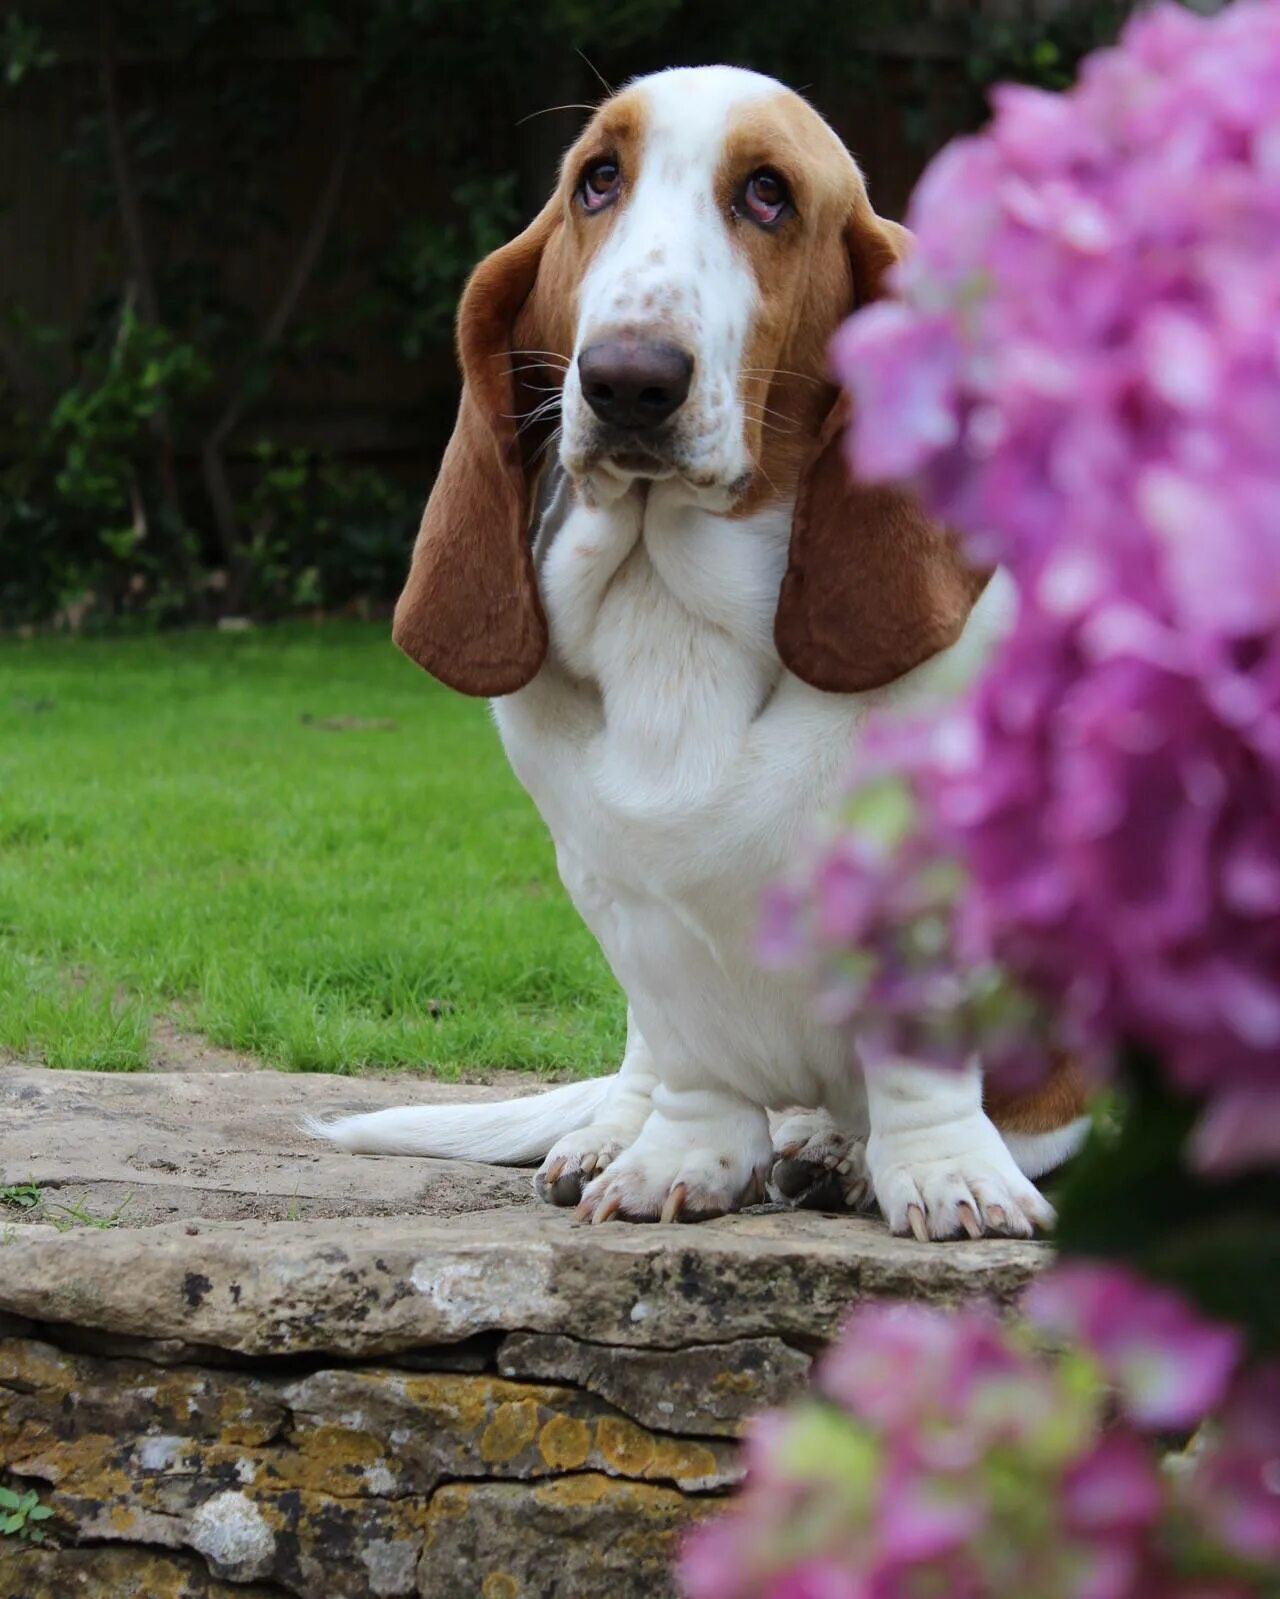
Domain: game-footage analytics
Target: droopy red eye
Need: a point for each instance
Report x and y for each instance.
(600, 184)
(766, 198)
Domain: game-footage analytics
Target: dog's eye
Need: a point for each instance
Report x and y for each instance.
(600, 184)
(765, 198)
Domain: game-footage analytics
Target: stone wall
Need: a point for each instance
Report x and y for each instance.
(493, 1404)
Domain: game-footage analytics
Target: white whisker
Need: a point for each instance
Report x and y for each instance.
(772, 427)
(569, 105)
(770, 372)
(552, 438)
(553, 355)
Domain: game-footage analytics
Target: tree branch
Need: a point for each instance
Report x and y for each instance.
(142, 284)
(212, 457)
(135, 237)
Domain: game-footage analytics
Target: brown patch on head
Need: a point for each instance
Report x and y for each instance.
(616, 133)
(805, 279)
(469, 612)
(873, 588)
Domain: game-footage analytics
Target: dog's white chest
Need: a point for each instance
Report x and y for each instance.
(676, 764)
(679, 768)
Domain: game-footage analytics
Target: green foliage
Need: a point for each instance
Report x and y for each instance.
(428, 261)
(20, 1196)
(1042, 53)
(1133, 1195)
(80, 506)
(321, 531)
(23, 49)
(99, 426)
(227, 289)
(21, 1514)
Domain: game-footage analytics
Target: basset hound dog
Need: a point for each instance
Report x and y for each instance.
(643, 545)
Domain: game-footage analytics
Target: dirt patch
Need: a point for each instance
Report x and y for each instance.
(174, 1049)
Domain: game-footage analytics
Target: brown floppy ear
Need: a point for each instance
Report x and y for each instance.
(873, 587)
(469, 613)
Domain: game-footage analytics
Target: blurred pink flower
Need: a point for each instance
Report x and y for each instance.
(1169, 1365)
(1113, 1489)
(947, 1453)
(1235, 1488)
(1082, 375)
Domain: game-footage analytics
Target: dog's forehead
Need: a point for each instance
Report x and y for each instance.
(688, 116)
(693, 109)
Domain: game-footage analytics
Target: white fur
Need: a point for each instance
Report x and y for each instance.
(670, 263)
(513, 1131)
(679, 766)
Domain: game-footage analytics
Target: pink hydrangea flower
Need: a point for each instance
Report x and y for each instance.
(1169, 1364)
(949, 1454)
(1082, 376)
(1235, 1488)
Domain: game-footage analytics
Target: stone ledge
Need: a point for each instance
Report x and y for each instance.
(370, 1287)
(423, 1385)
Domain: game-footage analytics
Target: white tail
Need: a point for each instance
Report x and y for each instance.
(509, 1133)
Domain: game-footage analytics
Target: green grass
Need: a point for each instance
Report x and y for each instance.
(177, 838)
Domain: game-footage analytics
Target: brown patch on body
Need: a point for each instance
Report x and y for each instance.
(1059, 1100)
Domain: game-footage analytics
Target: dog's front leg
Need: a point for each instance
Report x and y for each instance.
(577, 1157)
(700, 1153)
(938, 1165)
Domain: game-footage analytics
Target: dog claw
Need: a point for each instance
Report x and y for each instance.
(604, 1212)
(674, 1203)
(588, 1165)
(997, 1217)
(916, 1221)
(554, 1171)
(968, 1220)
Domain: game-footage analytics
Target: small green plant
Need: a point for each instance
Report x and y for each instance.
(20, 1196)
(19, 1514)
(79, 1215)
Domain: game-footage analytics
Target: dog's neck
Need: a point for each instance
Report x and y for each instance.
(666, 609)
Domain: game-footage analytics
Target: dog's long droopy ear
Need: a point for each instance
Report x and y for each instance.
(873, 588)
(469, 613)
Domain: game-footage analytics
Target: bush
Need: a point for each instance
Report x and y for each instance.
(132, 486)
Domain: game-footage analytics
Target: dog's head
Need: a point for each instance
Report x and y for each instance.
(670, 307)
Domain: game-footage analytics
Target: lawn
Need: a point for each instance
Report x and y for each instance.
(215, 828)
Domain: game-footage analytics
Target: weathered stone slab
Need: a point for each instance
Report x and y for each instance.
(709, 1388)
(322, 1483)
(372, 1286)
(30, 1572)
(591, 1536)
(172, 1145)
(294, 1372)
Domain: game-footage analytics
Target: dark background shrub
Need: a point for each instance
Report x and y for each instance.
(234, 233)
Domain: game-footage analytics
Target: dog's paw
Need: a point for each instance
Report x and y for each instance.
(691, 1184)
(818, 1167)
(574, 1160)
(954, 1180)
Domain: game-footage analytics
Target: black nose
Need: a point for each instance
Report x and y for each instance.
(634, 383)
